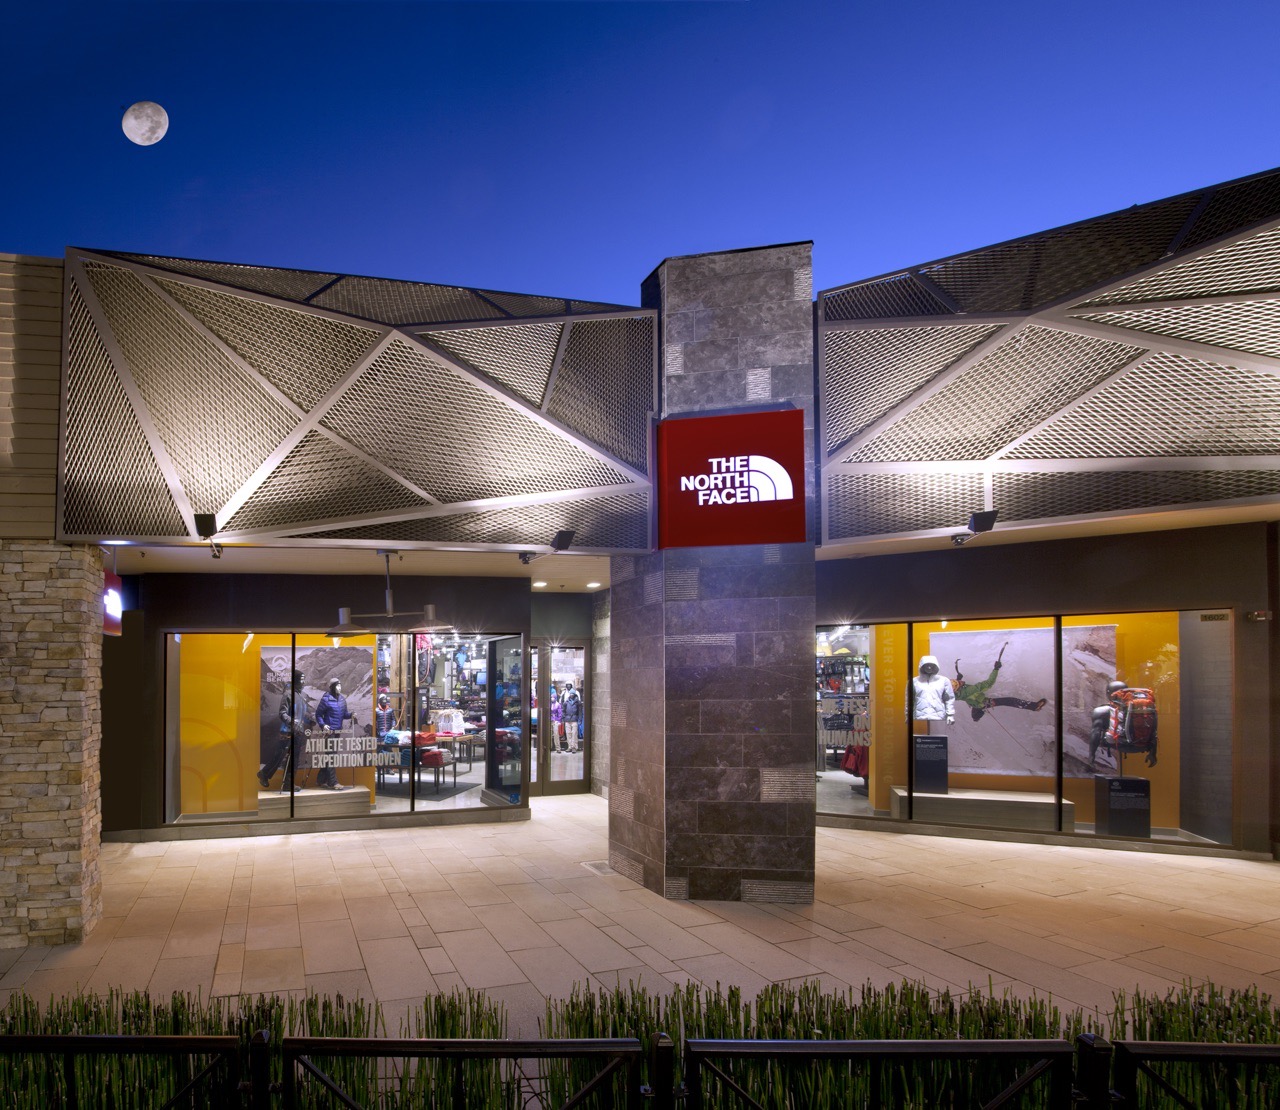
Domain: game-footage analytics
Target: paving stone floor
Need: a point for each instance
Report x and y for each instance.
(523, 911)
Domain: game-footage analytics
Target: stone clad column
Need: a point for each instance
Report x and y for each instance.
(712, 771)
(50, 737)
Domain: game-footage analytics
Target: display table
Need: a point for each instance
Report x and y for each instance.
(1003, 808)
(352, 802)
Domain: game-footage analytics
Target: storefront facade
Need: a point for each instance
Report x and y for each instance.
(1107, 390)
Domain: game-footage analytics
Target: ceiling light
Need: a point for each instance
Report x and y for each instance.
(593, 585)
(346, 627)
(538, 585)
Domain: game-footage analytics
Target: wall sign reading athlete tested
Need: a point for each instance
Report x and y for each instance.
(726, 480)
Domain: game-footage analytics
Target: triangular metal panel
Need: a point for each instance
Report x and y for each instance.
(302, 354)
(1026, 273)
(1017, 386)
(613, 522)
(1252, 326)
(519, 356)
(900, 295)
(1168, 406)
(111, 483)
(525, 304)
(291, 285)
(869, 371)
(320, 480)
(597, 306)
(1235, 207)
(1251, 265)
(605, 385)
(452, 437)
(884, 504)
(405, 302)
(1081, 494)
(217, 424)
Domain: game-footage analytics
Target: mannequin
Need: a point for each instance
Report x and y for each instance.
(930, 696)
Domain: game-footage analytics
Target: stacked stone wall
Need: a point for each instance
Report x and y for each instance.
(50, 737)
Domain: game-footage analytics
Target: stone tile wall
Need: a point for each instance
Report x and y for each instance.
(50, 737)
(601, 700)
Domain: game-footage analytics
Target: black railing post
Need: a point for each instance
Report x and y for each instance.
(692, 1077)
(1126, 1071)
(662, 1072)
(260, 1070)
(69, 1080)
(1093, 1071)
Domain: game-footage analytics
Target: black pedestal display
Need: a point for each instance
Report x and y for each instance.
(931, 764)
(1122, 806)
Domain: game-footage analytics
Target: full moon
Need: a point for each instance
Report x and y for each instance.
(145, 123)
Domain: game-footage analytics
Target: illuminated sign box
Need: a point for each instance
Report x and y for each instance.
(727, 480)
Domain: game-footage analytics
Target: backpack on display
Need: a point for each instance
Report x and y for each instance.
(1131, 724)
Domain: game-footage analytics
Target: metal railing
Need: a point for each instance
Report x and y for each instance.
(217, 1083)
(1052, 1059)
(1113, 1074)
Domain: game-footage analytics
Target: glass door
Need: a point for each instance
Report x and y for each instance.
(563, 733)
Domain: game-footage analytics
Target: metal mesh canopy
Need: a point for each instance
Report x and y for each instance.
(605, 385)
(134, 500)
(1249, 326)
(1061, 383)
(1021, 383)
(489, 450)
(321, 480)
(869, 372)
(1168, 406)
(216, 423)
(609, 523)
(301, 354)
(173, 409)
(293, 285)
(520, 357)
(1040, 496)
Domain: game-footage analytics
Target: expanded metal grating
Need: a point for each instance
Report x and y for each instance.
(868, 372)
(519, 356)
(884, 504)
(1247, 326)
(111, 484)
(1022, 382)
(405, 302)
(215, 422)
(1237, 206)
(896, 296)
(1249, 266)
(1029, 272)
(320, 480)
(523, 304)
(1085, 493)
(484, 448)
(614, 522)
(605, 385)
(1168, 406)
(301, 354)
(597, 306)
(293, 285)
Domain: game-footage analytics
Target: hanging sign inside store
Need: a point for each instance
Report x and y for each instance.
(112, 603)
(727, 480)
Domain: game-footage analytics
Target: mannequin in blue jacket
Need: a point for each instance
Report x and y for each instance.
(330, 715)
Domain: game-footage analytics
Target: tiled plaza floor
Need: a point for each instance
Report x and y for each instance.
(522, 911)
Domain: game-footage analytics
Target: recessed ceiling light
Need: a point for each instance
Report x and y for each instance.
(538, 585)
(593, 585)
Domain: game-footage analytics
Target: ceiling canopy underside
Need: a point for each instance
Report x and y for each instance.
(1127, 364)
(326, 409)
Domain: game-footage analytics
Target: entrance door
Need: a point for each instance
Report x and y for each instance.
(563, 752)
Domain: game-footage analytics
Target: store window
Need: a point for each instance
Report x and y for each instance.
(276, 726)
(1074, 725)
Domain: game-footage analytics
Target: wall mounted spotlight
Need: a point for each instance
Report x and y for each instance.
(979, 522)
(561, 541)
(206, 529)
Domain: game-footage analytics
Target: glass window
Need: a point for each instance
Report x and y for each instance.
(273, 726)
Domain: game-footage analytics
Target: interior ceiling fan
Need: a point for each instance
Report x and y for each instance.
(428, 623)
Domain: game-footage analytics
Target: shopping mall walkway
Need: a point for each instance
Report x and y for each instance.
(528, 909)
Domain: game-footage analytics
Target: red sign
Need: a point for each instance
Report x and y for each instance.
(112, 603)
(725, 480)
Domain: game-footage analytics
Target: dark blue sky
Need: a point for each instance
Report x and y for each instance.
(567, 148)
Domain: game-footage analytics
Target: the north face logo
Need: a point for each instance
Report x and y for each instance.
(738, 479)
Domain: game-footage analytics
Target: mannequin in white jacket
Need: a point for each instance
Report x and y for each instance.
(931, 696)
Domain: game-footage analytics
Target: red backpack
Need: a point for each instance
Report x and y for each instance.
(1134, 721)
